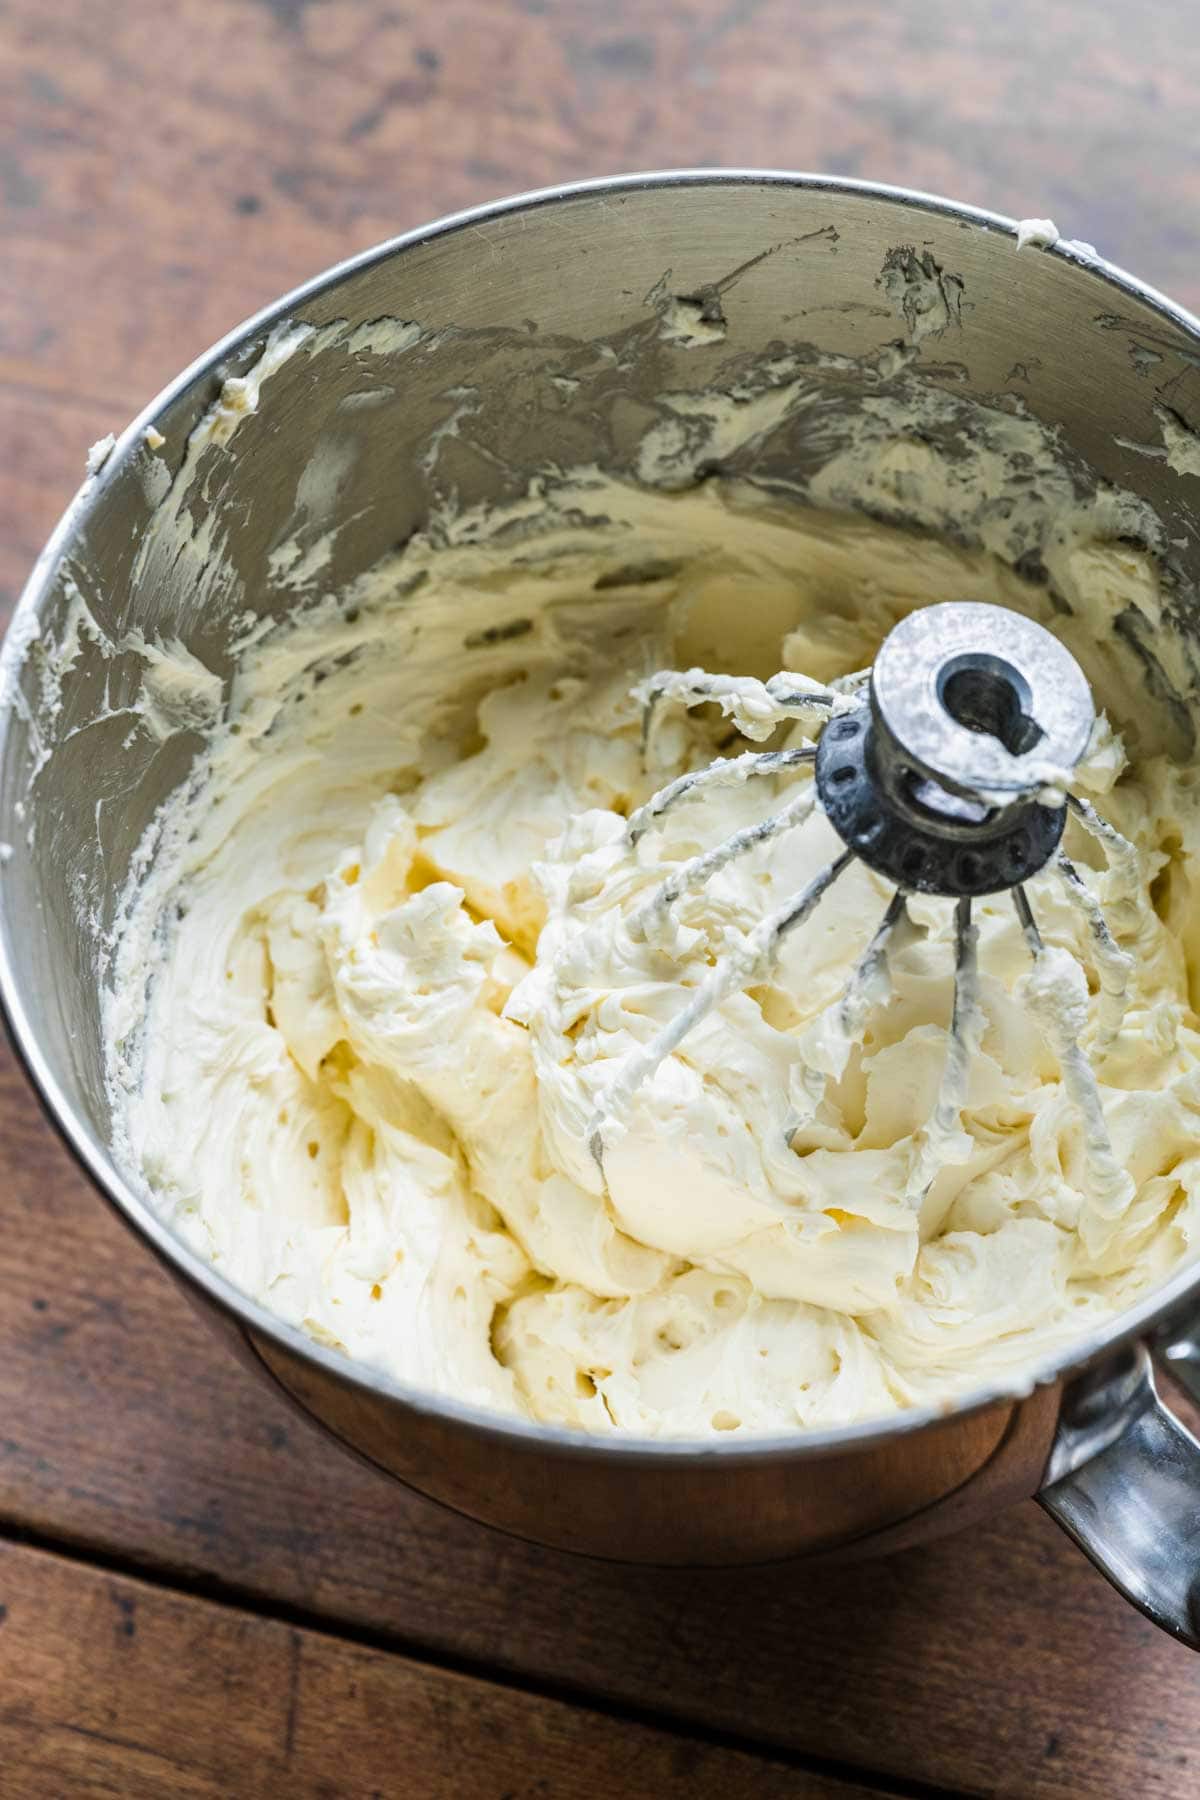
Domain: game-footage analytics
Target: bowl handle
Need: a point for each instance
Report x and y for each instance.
(1123, 1480)
(1179, 1347)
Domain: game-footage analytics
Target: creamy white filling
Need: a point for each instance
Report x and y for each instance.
(415, 961)
(1043, 233)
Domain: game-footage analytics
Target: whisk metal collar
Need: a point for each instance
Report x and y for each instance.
(945, 777)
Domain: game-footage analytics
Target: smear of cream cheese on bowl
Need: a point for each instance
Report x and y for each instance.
(384, 960)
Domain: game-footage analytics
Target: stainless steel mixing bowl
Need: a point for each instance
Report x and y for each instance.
(546, 313)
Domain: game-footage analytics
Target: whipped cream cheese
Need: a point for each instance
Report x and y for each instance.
(400, 959)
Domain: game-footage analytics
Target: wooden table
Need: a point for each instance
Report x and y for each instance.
(199, 1595)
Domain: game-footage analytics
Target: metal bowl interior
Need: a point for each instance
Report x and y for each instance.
(542, 311)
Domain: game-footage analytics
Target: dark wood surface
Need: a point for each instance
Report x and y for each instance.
(120, 1688)
(198, 1594)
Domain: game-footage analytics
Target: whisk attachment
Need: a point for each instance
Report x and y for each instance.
(946, 768)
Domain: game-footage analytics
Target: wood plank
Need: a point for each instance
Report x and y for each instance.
(112, 1687)
(997, 1663)
(45, 453)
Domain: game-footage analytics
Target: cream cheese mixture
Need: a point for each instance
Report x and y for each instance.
(394, 979)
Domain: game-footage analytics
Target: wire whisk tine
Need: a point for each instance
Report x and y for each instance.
(699, 869)
(937, 1143)
(744, 966)
(1059, 999)
(1120, 852)
(829, 1041)
(732, 771)
(757, 708)
(1114, 966)
(856, 999)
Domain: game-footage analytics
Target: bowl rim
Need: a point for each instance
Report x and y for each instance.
(137, 1210)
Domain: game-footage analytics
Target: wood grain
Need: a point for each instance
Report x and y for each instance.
(163, 172)
(111, 1687)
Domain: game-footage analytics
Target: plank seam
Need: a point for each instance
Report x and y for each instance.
(232, 1597)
